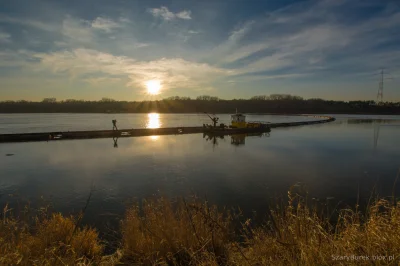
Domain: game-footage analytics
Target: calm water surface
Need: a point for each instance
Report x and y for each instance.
(338, 159)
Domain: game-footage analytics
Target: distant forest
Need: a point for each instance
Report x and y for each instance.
(276, 103)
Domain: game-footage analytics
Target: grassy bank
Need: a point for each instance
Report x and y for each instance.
(165, 232)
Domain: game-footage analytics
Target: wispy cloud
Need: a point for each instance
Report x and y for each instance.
(100, 80)
(104, 24)
(77, 29)
(28, 22)
(185, 14)
(5, 37)
(84, 30)
(10, 58)
(173, 73)
(240, 32)
(308, 37)
(229, 45)
(164, 13)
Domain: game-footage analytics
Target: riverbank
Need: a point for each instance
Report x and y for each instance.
(191, 232)
(219, 106)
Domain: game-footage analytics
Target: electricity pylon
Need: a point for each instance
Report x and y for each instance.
(379, 97)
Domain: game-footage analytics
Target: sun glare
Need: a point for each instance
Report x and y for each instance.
(153, 87)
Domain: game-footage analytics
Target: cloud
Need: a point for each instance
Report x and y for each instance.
(29, 23)
(60, 44)
(184, 14)
(84, 30)
(100, 80)
(240, 32)
(173, 73)
(5, 37)
(255, 77)
(140, 45)
(164, 13)
(309, 38)
(104, 24)
(225, 48)
(77, 29)
(10, 58)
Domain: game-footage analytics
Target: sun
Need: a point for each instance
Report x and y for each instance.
(153, 87)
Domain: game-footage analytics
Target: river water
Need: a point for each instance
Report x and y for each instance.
(337, 160)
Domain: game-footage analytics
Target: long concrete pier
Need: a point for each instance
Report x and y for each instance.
(123, 133)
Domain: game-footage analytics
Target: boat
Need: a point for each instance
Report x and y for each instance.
(238, 125)
(238, 120)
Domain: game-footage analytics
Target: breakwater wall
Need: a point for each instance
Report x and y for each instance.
(68, 135)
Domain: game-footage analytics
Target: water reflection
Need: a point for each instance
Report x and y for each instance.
(236, 139)
(115, 139)
(377, 127)
(240, 139)
(376, 136)
(371, 121)
(213, 138)
(153, 120)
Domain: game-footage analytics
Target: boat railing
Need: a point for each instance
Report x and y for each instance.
(259, 122)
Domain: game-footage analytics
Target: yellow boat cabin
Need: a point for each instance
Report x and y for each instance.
(239, 121)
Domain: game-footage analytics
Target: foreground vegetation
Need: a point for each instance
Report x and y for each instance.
(275, 103)
(162, 232)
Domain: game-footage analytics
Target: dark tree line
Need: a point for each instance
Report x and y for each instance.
(275, 103)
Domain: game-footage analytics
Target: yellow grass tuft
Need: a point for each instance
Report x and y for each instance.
(52, 241)
(175, 234)
(298, 236)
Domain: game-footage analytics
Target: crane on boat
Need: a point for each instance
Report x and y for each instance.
(213, 118)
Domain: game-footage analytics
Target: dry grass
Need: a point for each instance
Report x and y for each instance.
(175, 234)
(54, 240)
(298, 236)
(161, 232)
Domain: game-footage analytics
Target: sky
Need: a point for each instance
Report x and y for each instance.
(330, 49)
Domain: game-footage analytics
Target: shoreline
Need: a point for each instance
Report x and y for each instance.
(162, 231)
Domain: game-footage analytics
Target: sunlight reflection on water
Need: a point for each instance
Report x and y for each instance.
(153, 120)
(154, 138)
